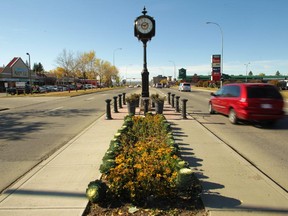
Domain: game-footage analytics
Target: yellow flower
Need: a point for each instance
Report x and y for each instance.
(158, 176)
(167, 170)
(137, 166)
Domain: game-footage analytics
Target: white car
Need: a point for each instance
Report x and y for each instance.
(158, 85)
(185, 87)
(88, 86)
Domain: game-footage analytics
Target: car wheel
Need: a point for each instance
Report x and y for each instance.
(211, 110)
(232, 116)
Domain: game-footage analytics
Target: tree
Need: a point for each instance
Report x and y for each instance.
(262, 74)
(107, 72)
(67, 62)
(59, 73)
(277, 73)
(38, 69)
(87, 63)
(250, 73)
(101, 70)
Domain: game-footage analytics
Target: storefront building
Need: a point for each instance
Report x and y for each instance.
(16, 71)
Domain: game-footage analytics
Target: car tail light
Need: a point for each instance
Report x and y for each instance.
(243, 103)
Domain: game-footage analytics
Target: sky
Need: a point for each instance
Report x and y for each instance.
(254, 33)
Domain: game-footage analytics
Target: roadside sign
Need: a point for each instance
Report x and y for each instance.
(20, 84)
(216, 67)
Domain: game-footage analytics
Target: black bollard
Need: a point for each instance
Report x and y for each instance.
(184, 101)
(146, 105)
(169, 99)
(120, 101)
(124, 99)
(115, 104)
(177, 109)
(173, 95)
(108, 109)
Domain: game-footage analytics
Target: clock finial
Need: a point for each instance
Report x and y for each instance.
(144, 11)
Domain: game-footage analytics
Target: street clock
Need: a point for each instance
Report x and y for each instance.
(144, 26)
(144, 30)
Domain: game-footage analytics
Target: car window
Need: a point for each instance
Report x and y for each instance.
(225, 92)
(219, 92)
(263, 92)
(231, 91)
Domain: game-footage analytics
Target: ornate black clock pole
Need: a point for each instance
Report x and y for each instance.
(144, 30)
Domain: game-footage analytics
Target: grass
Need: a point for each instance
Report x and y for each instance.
(284, 94)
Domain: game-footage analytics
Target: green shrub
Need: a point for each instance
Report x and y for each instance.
(106, 165)
(96, 191)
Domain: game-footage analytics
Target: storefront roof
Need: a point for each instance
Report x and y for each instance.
(13, 61)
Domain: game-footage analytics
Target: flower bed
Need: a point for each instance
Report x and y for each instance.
(143, 164)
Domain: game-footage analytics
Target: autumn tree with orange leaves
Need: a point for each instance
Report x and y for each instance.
(85, 65)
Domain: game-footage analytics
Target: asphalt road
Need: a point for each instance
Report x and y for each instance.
(265, 148)
(32, 128)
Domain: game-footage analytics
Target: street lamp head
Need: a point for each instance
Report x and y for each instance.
(213, 23)
(27, 53)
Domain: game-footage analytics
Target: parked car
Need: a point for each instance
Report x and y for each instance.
(73, 87)
(89, 86)
(50, 88)
(184, 87)
(41, 89)
(248, 101)
(12, 90)
(15, 90)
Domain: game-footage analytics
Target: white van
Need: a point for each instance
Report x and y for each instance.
(185, 87)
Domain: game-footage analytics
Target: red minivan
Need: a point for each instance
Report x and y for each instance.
(258, 102)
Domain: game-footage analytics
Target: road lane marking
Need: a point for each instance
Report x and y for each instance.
(54, 109)
(91, 98)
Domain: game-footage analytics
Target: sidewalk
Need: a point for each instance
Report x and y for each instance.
(57, 186)
(231, 185)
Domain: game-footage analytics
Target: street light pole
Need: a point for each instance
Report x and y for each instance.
(246, 69)
(114, 55)
(222, 57)
(174, 69)
(29, 73)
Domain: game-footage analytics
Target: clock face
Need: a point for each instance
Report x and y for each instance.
(144, 25)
